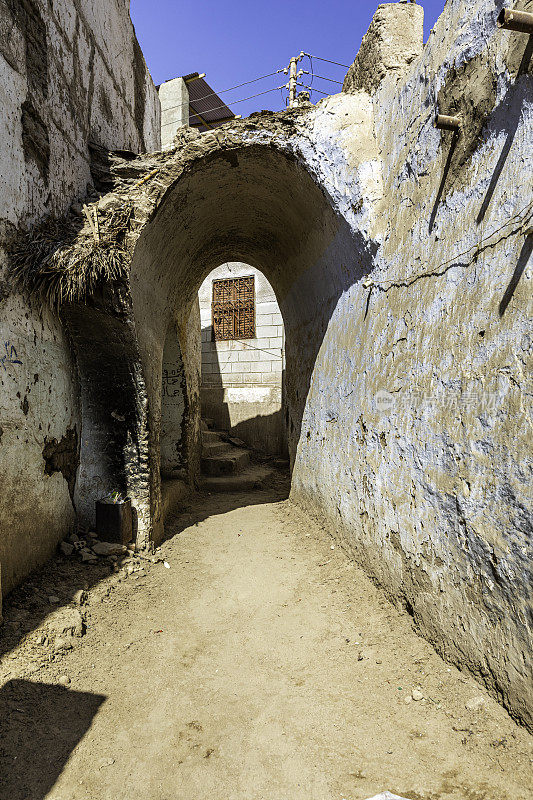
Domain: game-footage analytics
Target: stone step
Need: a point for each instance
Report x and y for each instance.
(212, 436)
(255, 476)
(226, 463)
(213, 447)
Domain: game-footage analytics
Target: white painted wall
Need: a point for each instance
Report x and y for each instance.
(174, 98)
(242, 381)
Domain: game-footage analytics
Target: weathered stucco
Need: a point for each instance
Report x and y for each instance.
(70, 72)
(401, 258)
(432, 492)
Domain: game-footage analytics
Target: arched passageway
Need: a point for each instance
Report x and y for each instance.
(257, 206)
(264, 192)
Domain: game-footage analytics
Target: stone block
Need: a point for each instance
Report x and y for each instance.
(266, 331)
(248, 355)
(394, 39)
(262, 319)
(267, 308)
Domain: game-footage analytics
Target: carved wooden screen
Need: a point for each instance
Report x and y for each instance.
(233, 308)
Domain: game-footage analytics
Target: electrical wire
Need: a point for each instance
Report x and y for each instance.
(347, 66)
(311, 67)
(314, 89)
(223, 91)
(322, 78)
(262, 77)
(234, 102)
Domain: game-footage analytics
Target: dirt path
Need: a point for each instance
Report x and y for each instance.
(262, 664)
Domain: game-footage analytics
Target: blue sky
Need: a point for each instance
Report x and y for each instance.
(233, 41)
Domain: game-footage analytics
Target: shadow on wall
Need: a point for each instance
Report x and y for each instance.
(254, 205)
(244, 411)
(40, 726)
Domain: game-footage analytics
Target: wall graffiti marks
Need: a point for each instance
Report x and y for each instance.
(9, 355)
(172, 383)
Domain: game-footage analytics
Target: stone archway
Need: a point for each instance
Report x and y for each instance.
(259, 206)
(266, 192)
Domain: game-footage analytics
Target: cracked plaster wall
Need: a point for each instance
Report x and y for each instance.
(70, 71)
(416, 436)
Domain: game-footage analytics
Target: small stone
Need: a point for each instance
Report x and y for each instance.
(109, 548)
(475, 703)
(80, 597)
(53, 599)
(105, 762)
(109, 202)
(64, 680)
(417, 694)
(408, 699)
(66, 548)
(68, 622)
(63, 643)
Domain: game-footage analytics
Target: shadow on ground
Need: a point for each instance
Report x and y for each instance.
(40, 725)
(192, 512)
(28, 606)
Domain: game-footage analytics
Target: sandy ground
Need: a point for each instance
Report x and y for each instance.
(261, 664)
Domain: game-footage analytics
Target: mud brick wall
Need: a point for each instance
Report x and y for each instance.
(70, 72)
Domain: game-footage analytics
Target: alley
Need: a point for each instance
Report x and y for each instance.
(260, 663)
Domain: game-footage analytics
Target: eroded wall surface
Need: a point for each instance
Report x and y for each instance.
(70, 72)
(416, 436)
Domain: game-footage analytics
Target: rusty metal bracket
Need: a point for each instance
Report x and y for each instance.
(512, 20)
(446, 123)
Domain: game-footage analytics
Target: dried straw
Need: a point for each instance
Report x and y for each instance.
(62, 261)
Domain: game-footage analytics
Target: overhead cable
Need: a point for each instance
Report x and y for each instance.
(322, 78)
(314, 89)
(223, 91)
(234, 102)
(347, 66)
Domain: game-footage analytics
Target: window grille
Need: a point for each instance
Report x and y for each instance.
(233, 308)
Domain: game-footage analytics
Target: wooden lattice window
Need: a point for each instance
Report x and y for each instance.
(233, 308)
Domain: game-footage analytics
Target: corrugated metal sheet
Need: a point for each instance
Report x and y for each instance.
(205, 106)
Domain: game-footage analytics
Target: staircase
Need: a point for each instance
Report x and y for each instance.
(226, 464)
